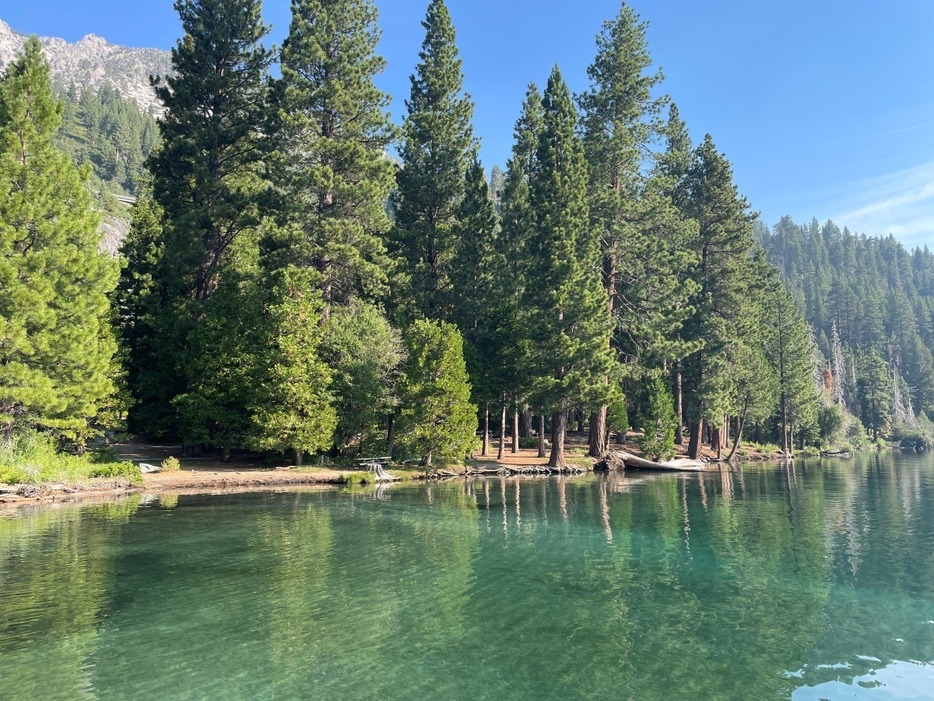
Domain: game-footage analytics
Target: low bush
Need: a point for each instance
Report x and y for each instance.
(171, 464)
(32, 457)
(915, 436)
(114, 470)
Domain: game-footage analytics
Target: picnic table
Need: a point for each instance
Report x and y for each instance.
(372, 464)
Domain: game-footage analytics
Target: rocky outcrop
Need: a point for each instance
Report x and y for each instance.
(92, 62)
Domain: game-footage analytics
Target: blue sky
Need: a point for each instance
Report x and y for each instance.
(824, 107)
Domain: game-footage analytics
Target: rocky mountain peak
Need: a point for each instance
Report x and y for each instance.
(93, 62)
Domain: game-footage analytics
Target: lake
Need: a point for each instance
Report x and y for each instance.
(805, 582)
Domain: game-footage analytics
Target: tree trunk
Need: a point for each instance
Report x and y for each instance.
(541, 435)
(740, 422)
(297, 457)
(515, 431)
(784, 424)
(716, 433)
(679, 408)
(389, 436)
(580, 420)
(501, 451)
(695, 439)
(486, 431)
(525, 427)
(559, 424)
(598, 432)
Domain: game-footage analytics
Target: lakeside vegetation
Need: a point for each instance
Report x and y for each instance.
(289, 286)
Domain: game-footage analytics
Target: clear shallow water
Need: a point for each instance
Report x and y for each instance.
(812, 582)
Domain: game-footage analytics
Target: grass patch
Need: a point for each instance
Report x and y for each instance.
(32, 457)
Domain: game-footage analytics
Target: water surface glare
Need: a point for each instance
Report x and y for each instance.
(807, 582)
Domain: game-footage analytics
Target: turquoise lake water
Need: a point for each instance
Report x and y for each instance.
(807, 582)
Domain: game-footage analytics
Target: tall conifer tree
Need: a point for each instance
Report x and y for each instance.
(56, 349)
(140, 304)
(568, 314)
(641, 232)
(722, 246)
(207, 177)
(517, 224)
(207, 173)
(332, 134)
(437, 142)
(516, 208)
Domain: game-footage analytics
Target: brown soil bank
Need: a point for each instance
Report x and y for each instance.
(195, 475)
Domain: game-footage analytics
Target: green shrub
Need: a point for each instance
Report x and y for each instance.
(32, 457)
(918, 435)
(171, 464)
(11, 475)
(658, 421)
(127, 470)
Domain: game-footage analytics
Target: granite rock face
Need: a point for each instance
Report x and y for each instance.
(93, 62)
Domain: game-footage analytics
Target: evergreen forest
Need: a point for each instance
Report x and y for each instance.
(110, 134)
(304, 276)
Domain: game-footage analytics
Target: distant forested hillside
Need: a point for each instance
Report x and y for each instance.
(109, 132)
(871, 305)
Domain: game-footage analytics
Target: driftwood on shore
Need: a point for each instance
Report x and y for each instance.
(618, 460)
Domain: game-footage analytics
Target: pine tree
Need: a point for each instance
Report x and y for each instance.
(332, 132)
(639, 228)
(478, 300)
(874, 387)
(753, 386)
(292, 407)
(207, 180)
(517, 219)
(56, 348)
(517, 223)
(206, 175)
(657, 421)
(568, 315)
(791, 353)
(224, 356)
(722, 246)
(437, 142)
(671, 168)
(838, 369)
(436, 418)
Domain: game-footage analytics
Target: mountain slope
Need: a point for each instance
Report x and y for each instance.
(94, 63)
(871, 305)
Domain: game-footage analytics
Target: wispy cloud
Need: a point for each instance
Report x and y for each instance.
(901, 204)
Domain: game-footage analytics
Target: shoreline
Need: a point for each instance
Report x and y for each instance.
(209, 476)
(199, 481)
